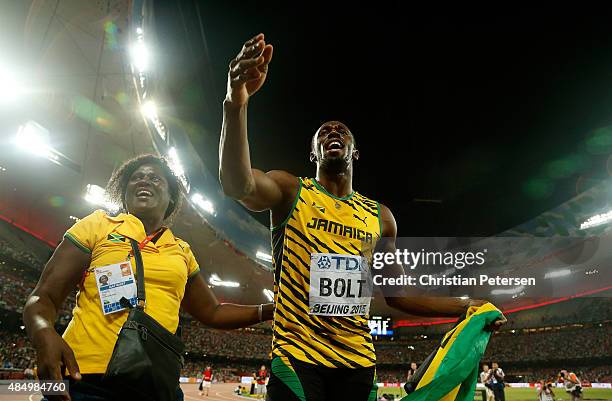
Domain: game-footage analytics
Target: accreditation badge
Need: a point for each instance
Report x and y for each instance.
(115, 282)
(340, 285)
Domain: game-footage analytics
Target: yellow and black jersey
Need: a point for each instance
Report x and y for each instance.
(321, 223)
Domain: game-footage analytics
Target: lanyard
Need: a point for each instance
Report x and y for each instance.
(151, 237)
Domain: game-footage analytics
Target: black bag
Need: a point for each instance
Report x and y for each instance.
(147, 358)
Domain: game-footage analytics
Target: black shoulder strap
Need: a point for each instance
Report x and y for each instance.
(140, 283)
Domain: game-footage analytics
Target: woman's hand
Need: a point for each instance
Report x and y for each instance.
(53, 353)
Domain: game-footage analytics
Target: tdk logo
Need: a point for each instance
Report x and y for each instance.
(340, 262)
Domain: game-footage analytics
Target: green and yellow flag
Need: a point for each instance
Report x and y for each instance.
(451, 372)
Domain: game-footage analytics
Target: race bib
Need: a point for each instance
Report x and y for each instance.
(340, 285)
(115, 282)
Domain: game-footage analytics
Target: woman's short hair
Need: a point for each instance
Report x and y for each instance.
(117, 184)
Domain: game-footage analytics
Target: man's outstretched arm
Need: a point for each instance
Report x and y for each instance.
(255, 189)
(416, 305)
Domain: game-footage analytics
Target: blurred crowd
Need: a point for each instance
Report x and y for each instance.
(15, 288)
(591, 342)
(580, 310)
(232, 344)
(569, 343)
(403, 351)
(20, 255)
(588, 374)
(16, 352)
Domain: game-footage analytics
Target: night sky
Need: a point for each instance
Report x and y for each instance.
(469, 121)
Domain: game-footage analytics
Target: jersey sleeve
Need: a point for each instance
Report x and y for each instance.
(86, 233)
(193, 267)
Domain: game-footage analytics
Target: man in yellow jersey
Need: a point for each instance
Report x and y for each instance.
(322, 230)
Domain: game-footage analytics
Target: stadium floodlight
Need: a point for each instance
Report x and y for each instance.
(97, 196)
(597, 220)
(508, 291)
(203, 204)
(34, 138)
(589, 272)
(269, 294)
(264, 256)
(11, 87)
(558, 273)
(174, 162)
(140, 56)
(216, 281)
(149, 110)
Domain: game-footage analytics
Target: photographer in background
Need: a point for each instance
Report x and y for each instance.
(572, 385)
(498, 376)
(486, 378)
(545, 392)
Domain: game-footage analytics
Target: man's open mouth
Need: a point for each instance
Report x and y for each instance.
(334, 144)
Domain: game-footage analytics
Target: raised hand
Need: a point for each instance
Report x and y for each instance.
(248, 71)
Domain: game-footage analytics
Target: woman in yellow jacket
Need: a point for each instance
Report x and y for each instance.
(150, 195)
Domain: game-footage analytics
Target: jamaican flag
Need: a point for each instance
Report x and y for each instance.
(450, 373)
